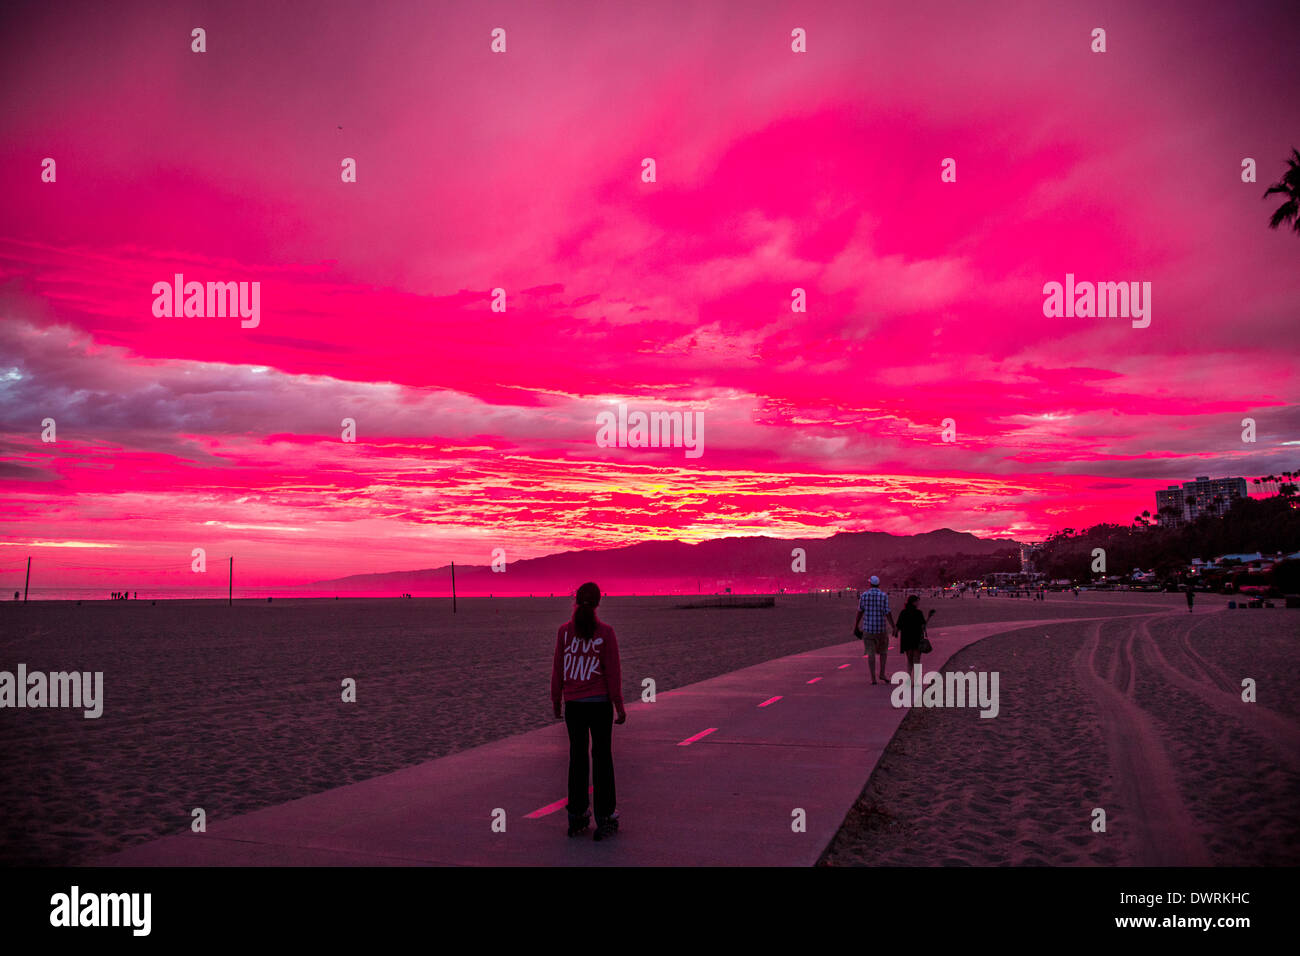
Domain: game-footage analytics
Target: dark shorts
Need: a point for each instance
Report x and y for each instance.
(875, 643)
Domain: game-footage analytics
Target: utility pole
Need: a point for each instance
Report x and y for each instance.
(453, 587)
(28, 580)
(230, 584)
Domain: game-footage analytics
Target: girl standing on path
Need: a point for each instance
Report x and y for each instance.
(586, 674)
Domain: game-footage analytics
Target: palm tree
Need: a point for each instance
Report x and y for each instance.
(1288, 186)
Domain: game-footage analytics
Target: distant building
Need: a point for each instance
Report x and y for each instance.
(1028, 557)
(1254, 556)
(1203, 496)
(1169, 506)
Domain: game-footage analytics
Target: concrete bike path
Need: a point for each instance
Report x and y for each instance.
(709, 774)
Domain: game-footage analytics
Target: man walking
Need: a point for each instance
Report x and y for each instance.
(873, 610)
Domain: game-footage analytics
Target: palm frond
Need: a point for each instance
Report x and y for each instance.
(1288, 186)
(1287, 211)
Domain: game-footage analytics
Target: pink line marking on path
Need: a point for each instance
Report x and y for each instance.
(842, 666)
(771, 700)
(690, 740)
(551, 807)
(814, 680)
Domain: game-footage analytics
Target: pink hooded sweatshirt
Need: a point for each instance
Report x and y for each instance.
(586, 668)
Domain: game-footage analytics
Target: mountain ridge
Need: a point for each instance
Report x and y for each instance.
(745, 562)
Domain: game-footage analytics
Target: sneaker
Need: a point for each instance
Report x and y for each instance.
(606, 827)
(578, 824)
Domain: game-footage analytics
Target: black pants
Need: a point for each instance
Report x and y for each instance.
(594, 718)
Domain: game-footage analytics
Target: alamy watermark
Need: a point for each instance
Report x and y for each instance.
(56, 689)
(1102, 300)
(639, 429)
(75, 908)
(948, 689)
(181, 299)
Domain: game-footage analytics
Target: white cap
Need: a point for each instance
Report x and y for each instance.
(875, 580)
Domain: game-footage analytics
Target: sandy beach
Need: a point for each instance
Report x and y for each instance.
(1141, 717)
(235, 709)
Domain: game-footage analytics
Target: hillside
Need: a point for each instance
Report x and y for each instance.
(845, 559)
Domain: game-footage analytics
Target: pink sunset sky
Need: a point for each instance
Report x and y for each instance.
(522, 170)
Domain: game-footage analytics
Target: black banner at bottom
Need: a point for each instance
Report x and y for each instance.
(906, 906)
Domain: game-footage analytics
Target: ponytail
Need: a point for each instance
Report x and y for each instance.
(584, 621)
(584, 611)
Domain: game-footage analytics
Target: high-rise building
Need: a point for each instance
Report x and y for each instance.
(1169, 507)
(1204, 495)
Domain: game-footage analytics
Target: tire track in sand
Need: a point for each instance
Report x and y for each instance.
(1274, 730)
(1162, 831)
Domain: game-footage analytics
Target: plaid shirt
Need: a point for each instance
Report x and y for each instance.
(874, 605)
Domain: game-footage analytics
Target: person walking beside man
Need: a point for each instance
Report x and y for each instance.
(911, 630)
(873, 611)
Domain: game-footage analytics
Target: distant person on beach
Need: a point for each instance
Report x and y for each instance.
(911, 628)
(587, 675)
(1190, 598)
(873, 609)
